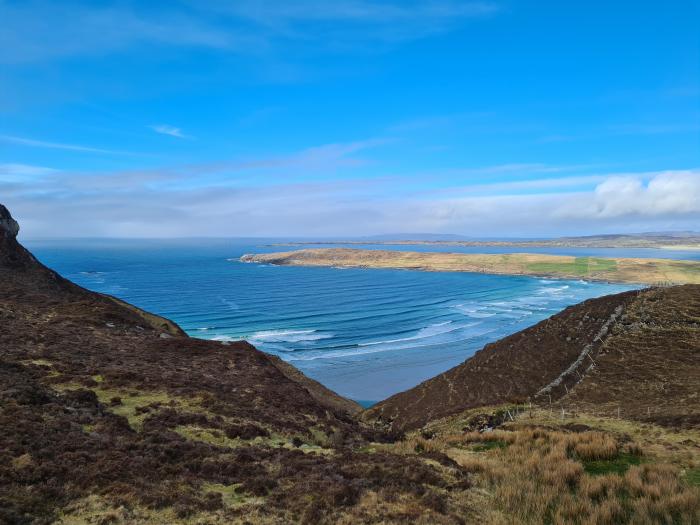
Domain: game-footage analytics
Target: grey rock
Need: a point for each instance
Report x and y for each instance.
(8, 226)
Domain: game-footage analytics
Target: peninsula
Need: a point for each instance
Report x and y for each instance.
(618, 270)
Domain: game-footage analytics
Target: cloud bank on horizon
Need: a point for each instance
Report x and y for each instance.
(349, 118)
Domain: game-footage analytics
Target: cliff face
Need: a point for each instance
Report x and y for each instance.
(636, 351)
(12, 255)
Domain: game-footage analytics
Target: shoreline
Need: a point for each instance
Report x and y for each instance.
(595, 269)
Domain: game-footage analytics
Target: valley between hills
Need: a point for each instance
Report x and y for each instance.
(112, 415)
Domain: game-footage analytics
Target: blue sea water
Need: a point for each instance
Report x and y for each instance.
(366, 334)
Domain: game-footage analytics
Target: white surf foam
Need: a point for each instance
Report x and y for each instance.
(389, 347)
(288, 336)
(433, 330)
(553, 290)
(224, 338)
(476, 312)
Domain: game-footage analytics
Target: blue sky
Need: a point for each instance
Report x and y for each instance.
(353, 117)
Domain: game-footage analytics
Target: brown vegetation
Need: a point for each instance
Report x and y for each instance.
(109, 415)
(635, 354)
(538, 468)
(648, 368)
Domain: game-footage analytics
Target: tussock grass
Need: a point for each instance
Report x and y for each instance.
(96, 510)
(591, 446)
(537, 470)
(217, 437)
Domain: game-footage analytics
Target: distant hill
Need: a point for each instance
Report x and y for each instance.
(689, 240)
(413, 236)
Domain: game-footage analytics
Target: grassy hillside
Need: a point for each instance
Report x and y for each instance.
(536, 465)
(635, 354)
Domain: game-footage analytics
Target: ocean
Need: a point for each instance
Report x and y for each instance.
(367, 334)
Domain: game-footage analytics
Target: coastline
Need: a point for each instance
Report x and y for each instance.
(680, 247)
(612, 270)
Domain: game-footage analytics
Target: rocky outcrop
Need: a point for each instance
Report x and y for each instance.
(12, 254)
(9, 228)
(22, 274)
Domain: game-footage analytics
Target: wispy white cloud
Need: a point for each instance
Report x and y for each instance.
(499, 177)
(328, 157)
(229, 207)
(26, 170)
(165, 129)
(517, 168)
(509, 188)
(271, 11)
(264, 171)
(23, 141)
(39, 30)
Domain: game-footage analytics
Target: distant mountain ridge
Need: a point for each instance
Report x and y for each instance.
(687, 239)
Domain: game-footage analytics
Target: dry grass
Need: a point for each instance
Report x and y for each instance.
(591, 446)
(95, 510)
(538, 470)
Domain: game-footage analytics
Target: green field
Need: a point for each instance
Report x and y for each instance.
(582, 266)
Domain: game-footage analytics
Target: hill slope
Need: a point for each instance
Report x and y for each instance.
(636, 351)
(110, 414)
